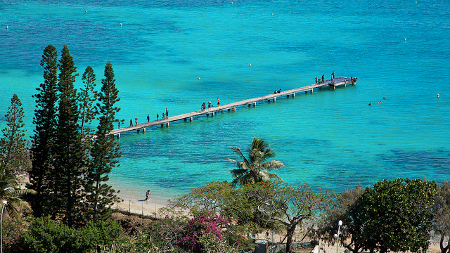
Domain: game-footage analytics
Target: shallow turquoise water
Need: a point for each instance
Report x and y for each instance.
(243, 49)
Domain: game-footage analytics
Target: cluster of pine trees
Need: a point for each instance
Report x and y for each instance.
(71, 159)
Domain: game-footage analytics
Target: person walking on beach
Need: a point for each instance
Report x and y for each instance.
(147, 194)
(148, 117)
(167, 113)
(131, 122)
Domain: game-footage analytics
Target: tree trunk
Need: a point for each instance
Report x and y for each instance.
(289, 236)
(441, 244)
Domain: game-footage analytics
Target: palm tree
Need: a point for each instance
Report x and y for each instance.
(10, 192)
(254, 169)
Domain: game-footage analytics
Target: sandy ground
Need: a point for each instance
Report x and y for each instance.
(143, 207)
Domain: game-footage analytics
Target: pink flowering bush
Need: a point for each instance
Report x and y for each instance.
(12, 228)
(201, 226)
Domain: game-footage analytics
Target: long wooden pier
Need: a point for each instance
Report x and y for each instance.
(340, 81)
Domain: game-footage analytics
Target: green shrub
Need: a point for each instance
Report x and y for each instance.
(45, 235)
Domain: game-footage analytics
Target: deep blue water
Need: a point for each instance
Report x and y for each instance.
(399, 50)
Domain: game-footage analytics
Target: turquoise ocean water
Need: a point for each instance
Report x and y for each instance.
(399, 50)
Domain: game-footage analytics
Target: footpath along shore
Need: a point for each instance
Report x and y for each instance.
(148, 207)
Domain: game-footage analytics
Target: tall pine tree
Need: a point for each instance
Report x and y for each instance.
(105, 153)
(87, 97)
(69, 154)
(45, 118)
(13, 146)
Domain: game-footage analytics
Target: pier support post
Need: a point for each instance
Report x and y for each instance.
(212, 114)
(167, 124)
(312, 90)
(287, 96)
(254, 104)
(249, 105)
(143, 130)
(275, 100)
(118, 136)
(293, 95)
(234, 109)
(190, 119)
(185, 119)
(345, 84)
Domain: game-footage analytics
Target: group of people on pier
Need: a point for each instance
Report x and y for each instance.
(203, 107)
(164, 115)
(323, 78)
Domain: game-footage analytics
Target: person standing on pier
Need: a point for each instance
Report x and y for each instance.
(316, 79)
(135, 119)
(209, 104)
(167, 113)
(148, 117)
(157, 117)
(218, 101)
(131, 122)
(323, 78)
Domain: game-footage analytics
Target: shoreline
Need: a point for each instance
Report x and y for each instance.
(130, 203)
(148, 207)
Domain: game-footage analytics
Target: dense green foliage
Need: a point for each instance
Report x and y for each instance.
(13, 146)
(70, 167)
(45, 235)
(70, 159)
(87, 97)
(258, 206)
(254, 169)
(105, 152)
(392, 216)
(44, 134)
